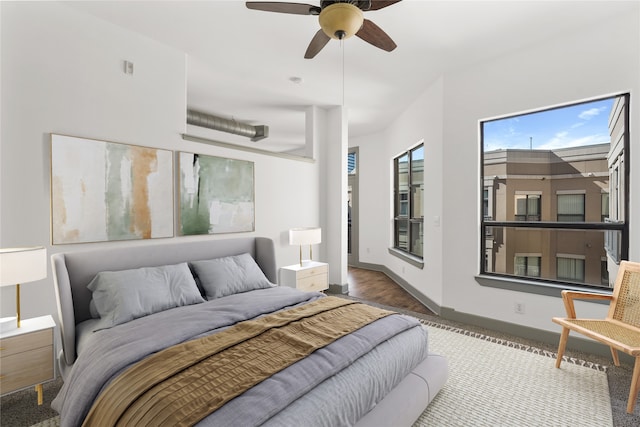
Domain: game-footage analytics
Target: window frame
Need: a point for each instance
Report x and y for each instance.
(528, 196)
(574, 258)
(527, 257)
(560, 194)
(403, 208)
(547, 286)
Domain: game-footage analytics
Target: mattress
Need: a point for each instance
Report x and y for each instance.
(335, 385)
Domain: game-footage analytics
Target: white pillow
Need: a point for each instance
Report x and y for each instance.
(121, 296)
(220, 277)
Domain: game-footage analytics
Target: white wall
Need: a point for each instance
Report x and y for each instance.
(596, 61)
(62, 73)
(422, 121)
(599, 60)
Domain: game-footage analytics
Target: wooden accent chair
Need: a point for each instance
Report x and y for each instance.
(620, 330)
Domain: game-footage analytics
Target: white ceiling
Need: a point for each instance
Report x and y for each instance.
(240, 60)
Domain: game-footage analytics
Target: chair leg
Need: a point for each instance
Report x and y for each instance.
(614, 354)
(635, 384)
(561, 346)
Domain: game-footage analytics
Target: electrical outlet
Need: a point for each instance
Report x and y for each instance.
(518, 307)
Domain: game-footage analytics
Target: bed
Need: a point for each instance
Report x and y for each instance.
(198, 333)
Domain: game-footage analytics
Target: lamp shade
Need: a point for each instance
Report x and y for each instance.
(305, 236)
(22, 265)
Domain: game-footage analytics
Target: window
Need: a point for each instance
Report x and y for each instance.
(570, 207)
(409, 201)
(527, 265)
(352, 174)
(527, 207)
(570, 268)
(485, 202)
(351, 163)
(604, 207)
(604, 272)
(556, 183)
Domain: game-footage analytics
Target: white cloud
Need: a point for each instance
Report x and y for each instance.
(562, 141)
(591, 112)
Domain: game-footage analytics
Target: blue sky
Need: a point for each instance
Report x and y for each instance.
(583, 124)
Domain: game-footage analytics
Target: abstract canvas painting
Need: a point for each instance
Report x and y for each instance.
(103, 191)
(216, 195)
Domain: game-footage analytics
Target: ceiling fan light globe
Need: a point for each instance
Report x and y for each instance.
(341, 20)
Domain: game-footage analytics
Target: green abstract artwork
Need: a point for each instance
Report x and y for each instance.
(216, 195)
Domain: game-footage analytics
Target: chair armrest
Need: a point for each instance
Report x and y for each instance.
(569, 296)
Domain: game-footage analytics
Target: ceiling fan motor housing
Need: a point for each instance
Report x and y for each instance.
(341, 20)
(361, 4)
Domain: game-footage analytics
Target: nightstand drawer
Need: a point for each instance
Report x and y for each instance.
(26, 356)
(26, 369)
(310, 276)
(314, 271)
(316, 283)
(30, 341)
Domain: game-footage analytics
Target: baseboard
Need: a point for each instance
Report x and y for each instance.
(576, 343)
(552, 338)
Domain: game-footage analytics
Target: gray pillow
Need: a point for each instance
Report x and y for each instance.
(121, 296)
(230, 275)
(93, 310)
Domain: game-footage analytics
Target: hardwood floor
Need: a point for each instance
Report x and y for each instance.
(377, 287)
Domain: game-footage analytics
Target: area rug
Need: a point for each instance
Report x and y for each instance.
(493, 382)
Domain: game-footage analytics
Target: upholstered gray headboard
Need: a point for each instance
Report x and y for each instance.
(72, 272)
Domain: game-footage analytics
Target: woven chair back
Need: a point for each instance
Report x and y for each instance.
(627, 304)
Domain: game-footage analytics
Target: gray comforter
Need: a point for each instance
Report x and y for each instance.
(378, 357)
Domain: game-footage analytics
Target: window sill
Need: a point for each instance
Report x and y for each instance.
(411, 259)
(534, 287)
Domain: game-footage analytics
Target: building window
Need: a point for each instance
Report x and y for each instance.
(526, 265)
(351, 163)
(604, 272)
(527, 207)
(570, 268)
(570, 208)
(556, 182)
(485, 202)
(409, 201)
(604, 199)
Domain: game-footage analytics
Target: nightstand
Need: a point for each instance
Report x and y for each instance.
(26, 356)
(310, 276)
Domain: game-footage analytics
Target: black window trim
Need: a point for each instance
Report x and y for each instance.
(405, 255)
(549, 287)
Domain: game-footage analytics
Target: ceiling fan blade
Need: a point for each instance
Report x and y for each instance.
(379, 4)
(373, 34)
(317, 43)
(273, 6)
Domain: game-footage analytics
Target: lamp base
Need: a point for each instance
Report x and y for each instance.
(8, 324)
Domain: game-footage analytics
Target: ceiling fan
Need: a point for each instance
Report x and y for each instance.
(338, 20)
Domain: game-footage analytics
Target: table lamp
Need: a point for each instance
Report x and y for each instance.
(20, 265)
(305, 236)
